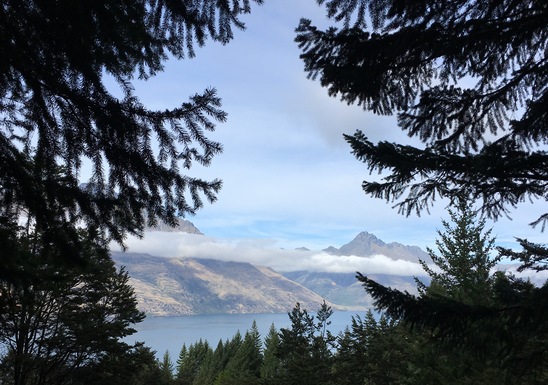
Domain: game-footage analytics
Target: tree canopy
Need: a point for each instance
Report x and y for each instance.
(57, 110)
(468, 79)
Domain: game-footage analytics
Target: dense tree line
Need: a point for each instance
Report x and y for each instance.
(65, 307)
(64, 326)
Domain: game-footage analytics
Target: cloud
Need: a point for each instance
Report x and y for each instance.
(266, 252)
(537, 278)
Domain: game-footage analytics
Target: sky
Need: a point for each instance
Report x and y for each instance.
(289, 179)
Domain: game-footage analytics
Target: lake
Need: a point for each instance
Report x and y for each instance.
(170, 333)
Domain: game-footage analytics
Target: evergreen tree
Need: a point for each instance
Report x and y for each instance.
(479, 325)
(190, 361)
(305, 349)
(136, 366)
(464, 264)
(166, 369)
(244, 366)
(270, 367)
(468, 79)
(351, 361)
(216, 361)
(57, 58)
(371, 352)
(181, 369)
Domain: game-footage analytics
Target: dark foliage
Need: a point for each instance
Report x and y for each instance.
(56, 110)
(468, 79)
(304, 349)
(57, 321)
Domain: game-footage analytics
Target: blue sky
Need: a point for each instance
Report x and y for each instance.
(289, 178)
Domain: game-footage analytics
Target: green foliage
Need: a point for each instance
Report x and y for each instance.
(136, 365)
(271, 366)
(304, 350)
(166, 370)
(533, 256)
(480, 327)
(190, 361)
(464, 262)
(467, 79)
(244, 366)
(372, 352)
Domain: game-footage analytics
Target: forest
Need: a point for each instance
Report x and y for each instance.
(467, 80)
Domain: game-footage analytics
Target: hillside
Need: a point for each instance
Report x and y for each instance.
(189, 286)
(167, 286)
(344, 290)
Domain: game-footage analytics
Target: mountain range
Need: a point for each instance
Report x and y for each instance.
(188, 285)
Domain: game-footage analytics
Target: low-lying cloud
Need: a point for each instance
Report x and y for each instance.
(266, 253)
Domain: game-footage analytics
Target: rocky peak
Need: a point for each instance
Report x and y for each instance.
(366, 244)
(182, 226)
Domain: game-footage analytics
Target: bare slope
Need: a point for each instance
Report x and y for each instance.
(187, 286)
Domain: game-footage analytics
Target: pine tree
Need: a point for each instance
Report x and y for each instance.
(271, 365)
(373, 352)
(464, 264)
(58, 113)
(166, 369)
(304, 350)
(477, 325)
(190, 361)
(243, 367)
(468, 79)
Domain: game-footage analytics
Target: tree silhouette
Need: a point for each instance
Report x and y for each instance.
(467, 79)
(57, 113)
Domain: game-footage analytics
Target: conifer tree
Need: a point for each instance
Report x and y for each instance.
(243, 367)
(468, 79)
(190, 361)
(166, 369)
(465, 262)
(270, 367)
(373, 352)
(58, 113)
(304, 349)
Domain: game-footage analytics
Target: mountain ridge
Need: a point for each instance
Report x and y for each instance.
(191, 286)
(366, 244)
(171, 286)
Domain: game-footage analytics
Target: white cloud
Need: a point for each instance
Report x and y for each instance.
(265, 252)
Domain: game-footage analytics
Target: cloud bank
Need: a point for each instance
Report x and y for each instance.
(265, 252)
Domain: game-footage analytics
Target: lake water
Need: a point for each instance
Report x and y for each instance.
(170, 333)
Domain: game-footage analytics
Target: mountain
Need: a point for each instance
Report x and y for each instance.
(189, 286)
(182, 226)
(365, 245)
(344, 289)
